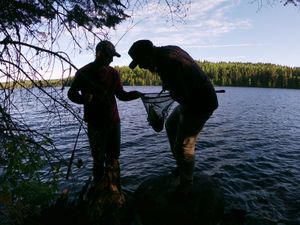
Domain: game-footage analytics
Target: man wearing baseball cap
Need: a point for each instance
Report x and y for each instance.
(191, 88)
(95, 86)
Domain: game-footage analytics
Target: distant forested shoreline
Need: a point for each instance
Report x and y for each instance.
(227, 74)
(221, 73)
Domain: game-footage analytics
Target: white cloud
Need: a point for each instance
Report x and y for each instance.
(225, 46)
(239, 58)
(205, 20)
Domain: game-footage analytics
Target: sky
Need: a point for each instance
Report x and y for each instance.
(215, 30)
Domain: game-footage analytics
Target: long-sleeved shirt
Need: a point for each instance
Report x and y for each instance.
(103, 83)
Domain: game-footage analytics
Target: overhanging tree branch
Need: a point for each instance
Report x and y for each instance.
(66, 59)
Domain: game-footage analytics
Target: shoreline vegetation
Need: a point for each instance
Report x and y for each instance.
(221, 73)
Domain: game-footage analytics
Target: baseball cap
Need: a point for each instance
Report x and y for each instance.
(107, 47)
(139, 49)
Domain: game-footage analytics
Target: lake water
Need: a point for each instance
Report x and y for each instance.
(250, 145)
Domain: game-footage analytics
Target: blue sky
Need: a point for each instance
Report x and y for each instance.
(219, 30)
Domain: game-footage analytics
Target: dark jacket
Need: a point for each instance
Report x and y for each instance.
(185, 80)
(103, 83)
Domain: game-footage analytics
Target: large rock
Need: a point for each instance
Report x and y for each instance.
(153, 203)
(157, 203)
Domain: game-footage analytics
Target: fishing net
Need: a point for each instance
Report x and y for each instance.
(157, 106)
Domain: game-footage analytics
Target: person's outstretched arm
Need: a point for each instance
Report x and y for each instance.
(125, 95)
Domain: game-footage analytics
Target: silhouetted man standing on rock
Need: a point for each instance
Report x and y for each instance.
(95, 86)
(191, 88)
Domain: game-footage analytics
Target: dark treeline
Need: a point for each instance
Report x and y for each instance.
(252, 75)
(228, 74)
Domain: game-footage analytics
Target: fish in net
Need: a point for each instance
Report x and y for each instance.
(157, 106)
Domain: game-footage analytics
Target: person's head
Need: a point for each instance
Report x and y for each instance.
(105, 51)
(141, 53)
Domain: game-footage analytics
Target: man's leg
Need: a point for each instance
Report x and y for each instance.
(172, 128)
(189, 127)
(97, 140)
(113, 153)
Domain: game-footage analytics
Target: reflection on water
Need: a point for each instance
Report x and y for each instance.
(250, 144)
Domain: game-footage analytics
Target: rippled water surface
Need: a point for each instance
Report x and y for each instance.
(251, 145)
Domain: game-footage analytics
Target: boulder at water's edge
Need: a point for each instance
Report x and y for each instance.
(157, 203)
